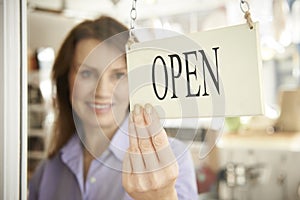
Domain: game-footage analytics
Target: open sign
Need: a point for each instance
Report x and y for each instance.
(206, 74)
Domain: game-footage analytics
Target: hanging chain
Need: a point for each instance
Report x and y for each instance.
(133, 16)
(244, 5)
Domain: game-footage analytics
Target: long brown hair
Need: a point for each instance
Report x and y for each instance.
(64, 126)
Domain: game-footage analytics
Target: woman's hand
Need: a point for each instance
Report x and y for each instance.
(149, 168)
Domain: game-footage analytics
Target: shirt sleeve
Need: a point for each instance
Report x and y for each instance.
(186, 185)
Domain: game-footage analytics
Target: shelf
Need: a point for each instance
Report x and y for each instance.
(286, 141)
(36, 107)
(36, 154)
(37, 132)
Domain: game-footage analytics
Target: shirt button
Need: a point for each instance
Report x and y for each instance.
(93, 180)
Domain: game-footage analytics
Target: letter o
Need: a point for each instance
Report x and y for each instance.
(153, 77)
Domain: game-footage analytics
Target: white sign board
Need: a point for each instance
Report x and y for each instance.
(207, 74)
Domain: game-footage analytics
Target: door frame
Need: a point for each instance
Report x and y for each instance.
(13, 99)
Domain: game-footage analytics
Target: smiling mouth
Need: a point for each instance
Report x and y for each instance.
(100, 108)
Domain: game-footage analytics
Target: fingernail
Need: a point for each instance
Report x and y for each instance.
(130, 117)
(148, 108)
(137, 109)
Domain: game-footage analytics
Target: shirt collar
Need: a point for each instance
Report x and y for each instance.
(72, 149)
(71, 155)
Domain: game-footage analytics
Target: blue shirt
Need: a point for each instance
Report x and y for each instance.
(61, 178)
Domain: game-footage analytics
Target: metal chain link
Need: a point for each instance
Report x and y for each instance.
(133, 16)
(246, 4)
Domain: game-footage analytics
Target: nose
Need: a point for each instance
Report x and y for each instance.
(103, 87)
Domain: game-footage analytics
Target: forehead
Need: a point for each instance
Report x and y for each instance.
(84, 48)
(93, 52)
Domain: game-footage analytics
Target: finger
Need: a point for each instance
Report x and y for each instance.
(157, 132)
(145, 145)
(160, 140)
(149, 155)
(138, 117)
(127, 168)
(151, 161)
(152, 120)
(166, 157)
(144, 140)
(137, 162)
(133, 140)
(139, 122)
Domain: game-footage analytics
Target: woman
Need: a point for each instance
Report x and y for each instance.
(98, 150)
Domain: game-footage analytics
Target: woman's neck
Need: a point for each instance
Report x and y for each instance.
(96, 140)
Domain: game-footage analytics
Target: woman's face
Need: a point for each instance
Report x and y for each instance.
(98, 85)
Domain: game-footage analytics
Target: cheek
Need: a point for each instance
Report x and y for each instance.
(81, 91)
(121, 91)
(71, 86)
(78, 90)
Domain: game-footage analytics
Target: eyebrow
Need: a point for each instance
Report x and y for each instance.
(79, 65)
(119, 68)
(85, 65)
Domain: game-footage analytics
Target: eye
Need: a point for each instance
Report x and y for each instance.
(119, 75)
(85, 73)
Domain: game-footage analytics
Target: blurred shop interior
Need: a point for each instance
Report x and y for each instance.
(254, 157)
